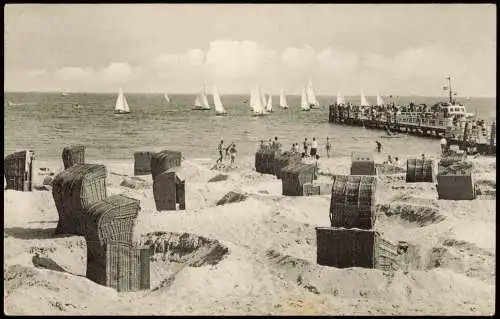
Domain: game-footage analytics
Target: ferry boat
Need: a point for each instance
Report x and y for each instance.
(453, 109)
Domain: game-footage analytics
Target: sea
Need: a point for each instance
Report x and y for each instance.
(46, 122)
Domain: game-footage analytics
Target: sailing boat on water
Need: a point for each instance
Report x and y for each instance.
(340, 98)
(256, 102)
(380, 101)
(304, 105)
(283, 103)
(121, 105)
(269, 105)
(263, 96)
(165, 95)
(311, 96)
(201, 102)
(364, 101)
(219, 108)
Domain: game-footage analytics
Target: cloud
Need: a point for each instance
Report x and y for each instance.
(340, 62)
(231, 59)
(118, 72)
(74, 73)
(299, 57)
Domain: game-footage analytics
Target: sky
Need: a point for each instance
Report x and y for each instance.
(398, 49)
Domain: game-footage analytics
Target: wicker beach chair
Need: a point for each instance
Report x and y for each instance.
(142, 162)
(169, 189)
(73, 190)
(163, 161)
(344, 248)
(18, 171)
(362, 164)
(283, 160)
(353, 201)
(111, 258)
(73, 154)
(294, 176)
(418, 170)
(264, 160)
(455, 181)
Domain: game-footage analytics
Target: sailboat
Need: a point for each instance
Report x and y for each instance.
(304, 105)
(219, 108)
(364, 101)
(263, 95)
(283, 103)
(121, 106)
(165, 95)
(256, 102)
(269, 105)
(380, 101)
(340, 98)
(311, 96)
(201, 102)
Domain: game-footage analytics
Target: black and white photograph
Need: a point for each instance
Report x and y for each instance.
(249, 159)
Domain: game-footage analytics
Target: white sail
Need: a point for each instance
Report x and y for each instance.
(219, 108)
(166, 97)
(311, 96)
(197, 102)
(202, 100)
(364, 101)
(263, 97)
(256, 101)
(304, 105)
(121, 104)
(269, 105)
(340, 98)
(253, 98)
(380, 101)
(283, 103)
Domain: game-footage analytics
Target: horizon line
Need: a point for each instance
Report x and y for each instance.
(241, 93)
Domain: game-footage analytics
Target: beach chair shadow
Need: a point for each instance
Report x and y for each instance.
(32, 233)
(50, 264)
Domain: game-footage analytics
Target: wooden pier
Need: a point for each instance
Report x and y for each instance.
(433, 125)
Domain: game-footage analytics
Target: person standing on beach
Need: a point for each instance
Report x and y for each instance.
(314, 147)
(262, 146)
(443, 145)
(220, 148)
(328, 147)
(306, 146)
(232, 151)
(296, 147)
(276, 145)
(379, 146)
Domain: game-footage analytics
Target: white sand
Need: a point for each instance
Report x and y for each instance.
(271, 265)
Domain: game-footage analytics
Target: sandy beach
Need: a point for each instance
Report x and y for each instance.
(268, 262)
